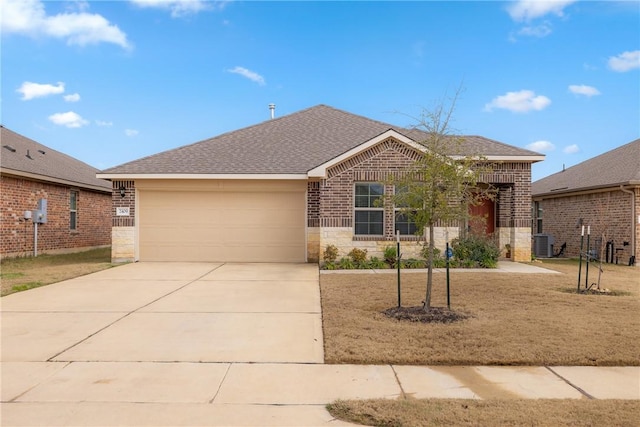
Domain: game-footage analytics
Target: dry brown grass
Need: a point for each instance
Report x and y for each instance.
(519, 319)
(449, 412)
(19, 274)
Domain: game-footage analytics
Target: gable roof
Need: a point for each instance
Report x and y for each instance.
(620, 166)
(27, 158)
(288, 145)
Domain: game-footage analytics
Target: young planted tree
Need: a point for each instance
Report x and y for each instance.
(443, 183)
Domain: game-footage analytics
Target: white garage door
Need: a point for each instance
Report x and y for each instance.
(230, 221)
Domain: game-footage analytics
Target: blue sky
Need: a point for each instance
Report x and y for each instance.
(112, 81)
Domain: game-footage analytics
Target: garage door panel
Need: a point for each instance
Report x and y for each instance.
(245, 226)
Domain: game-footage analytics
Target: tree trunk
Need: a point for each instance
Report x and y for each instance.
(427, 299)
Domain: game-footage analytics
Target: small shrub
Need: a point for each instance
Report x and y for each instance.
(358, 256)
(440, 263)
(328, 265)
(476, 251)
(376, 263)
(390, 256)
(468, 263)
(415, 263)
(346, 264)
(424, 252)
(330, 254)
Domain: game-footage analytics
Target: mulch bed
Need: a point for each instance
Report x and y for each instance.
(417, 314)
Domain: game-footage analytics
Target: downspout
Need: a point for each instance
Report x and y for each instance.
(633, 218)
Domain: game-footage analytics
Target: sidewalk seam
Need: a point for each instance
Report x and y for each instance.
(395, 374)
(584, 393)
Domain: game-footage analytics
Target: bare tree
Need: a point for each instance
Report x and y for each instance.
(443, 183)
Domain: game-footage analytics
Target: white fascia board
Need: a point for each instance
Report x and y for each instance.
(283, 176)
(531, 159)
(44, 178)
(321, 171)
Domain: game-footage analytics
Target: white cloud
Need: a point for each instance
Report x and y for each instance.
(541, 146)
(539, 31)
(625, 61)
(72, 97)
(251, 75)
(571, 149)
(68, 119)
(180, 8)
(519, 102)
(584, 90)
(103, 123)
(28, 17)
(131, 132)
(526, 10)
(30, 90)
(77, 5)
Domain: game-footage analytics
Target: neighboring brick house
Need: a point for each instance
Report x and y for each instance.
(78, 203)
(284, 189)
(603, 193)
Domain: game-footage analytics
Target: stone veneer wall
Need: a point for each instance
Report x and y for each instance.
(123, 227)
(55, 236)
(390, 157)
(607, 212)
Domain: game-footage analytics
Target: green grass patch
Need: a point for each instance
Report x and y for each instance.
(9, 276)
(26, 286)
(99, 255)
(23, 273)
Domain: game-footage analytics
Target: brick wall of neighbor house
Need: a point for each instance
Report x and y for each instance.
(17, 235)
(123, 227)
(391, 157)
(636, 222)
(608, 213)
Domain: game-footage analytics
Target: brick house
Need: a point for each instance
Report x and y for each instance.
(284, 189)
(78, 203)
(603, 193)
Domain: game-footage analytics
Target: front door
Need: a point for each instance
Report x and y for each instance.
(482, 219)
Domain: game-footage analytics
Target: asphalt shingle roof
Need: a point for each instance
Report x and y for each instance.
(292, 144)
(42, 162)
(620, 166)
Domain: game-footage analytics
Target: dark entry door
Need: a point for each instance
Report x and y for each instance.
(483, 218)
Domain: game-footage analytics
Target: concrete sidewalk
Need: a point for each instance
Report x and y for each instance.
(224, 394)
(205, 344)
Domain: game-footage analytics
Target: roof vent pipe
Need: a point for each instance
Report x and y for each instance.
(272, 108)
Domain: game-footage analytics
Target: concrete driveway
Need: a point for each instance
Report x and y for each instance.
(90, 350)
(165, 312)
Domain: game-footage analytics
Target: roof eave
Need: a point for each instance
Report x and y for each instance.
(44, 178)
(234, 176)
(591, 189)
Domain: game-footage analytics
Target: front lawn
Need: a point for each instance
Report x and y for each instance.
(459, 412)
(20, 274)
(517, 319)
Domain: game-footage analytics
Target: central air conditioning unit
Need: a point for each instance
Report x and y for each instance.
(543, 245)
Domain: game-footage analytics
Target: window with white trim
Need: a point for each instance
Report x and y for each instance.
(368, 209)
(537, 215)
(402, 221)
(73, 210)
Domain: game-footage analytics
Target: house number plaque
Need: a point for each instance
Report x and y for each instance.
(122, 211)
